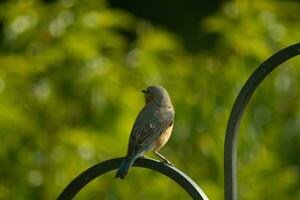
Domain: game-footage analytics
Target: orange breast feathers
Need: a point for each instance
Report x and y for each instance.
(162, 140)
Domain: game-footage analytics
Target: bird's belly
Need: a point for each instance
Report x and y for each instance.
(162, 140)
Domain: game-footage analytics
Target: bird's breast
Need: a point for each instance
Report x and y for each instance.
(162, 140)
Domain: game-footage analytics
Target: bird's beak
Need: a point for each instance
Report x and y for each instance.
(144, 91)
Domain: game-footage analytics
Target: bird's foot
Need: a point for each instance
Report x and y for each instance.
(144, 157)
(167, 162)
(164, 160)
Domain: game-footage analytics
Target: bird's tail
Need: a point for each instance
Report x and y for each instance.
(124, 168)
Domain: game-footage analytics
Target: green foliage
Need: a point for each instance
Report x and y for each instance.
(70, 79)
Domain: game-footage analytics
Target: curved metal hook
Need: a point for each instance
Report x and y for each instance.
(230, 148)
(97, 170)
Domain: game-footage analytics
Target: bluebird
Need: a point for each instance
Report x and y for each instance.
(152, 128)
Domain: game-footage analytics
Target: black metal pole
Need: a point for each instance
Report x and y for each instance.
(230, 148)
(97, 170)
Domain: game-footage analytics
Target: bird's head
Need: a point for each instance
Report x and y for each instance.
(157, 94)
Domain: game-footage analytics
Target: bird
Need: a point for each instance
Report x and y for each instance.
(152, 128)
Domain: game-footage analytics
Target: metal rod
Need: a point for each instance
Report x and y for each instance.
(230, 147)
(101, 168)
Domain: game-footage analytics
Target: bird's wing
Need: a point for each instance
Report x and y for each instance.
(147, 128)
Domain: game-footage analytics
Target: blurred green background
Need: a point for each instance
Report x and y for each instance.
(71, 73)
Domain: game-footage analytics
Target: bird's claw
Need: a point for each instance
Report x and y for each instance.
(145, 157)
(167, 163)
